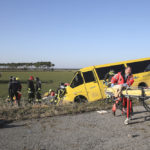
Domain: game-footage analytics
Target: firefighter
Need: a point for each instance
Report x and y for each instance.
(14, 88)
(60, 92)
(19, 84)
(124, 79)
(31, 89)
(10, 89)
(38, 90)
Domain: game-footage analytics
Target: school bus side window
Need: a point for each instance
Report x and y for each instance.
(139, 67)
(147, 68)
(77, 81)
(88, 76)
(104, 70)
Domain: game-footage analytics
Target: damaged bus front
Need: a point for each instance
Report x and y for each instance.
(85, 86)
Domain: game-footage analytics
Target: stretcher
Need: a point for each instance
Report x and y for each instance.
(141, 94)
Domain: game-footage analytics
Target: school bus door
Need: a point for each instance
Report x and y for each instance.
(92, 86)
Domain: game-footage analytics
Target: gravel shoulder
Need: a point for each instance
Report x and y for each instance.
(79, 132)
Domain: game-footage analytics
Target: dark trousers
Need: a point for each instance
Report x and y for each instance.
(12, 94)
(31, 96)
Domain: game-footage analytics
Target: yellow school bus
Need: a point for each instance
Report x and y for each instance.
(87, 83)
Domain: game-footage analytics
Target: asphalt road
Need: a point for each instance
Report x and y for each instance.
(87, 131)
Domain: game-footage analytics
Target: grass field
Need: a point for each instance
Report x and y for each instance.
(50, 80)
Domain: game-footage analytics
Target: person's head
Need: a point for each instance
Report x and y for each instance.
(37, 79)
(128, 70)
(61, 83)
(31, 78)
(14, 78)
(11, 78)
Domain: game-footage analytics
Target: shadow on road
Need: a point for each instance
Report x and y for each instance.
(140, 112)
(141, 119)
(7, 124)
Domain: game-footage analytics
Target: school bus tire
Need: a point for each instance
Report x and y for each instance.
(142, 85)
(80, 99)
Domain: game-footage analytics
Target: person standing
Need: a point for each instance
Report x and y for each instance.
(38, 90)
(14, 88)
(31, 89)
(10, 89)
(124, 79)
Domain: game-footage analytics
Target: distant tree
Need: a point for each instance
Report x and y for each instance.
(53, 65)
(41, 65)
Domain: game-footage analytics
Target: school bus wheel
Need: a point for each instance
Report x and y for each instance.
(80, 99)
(142, 85)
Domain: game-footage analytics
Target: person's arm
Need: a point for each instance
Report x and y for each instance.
(115, 79)
(20, 87)
(40, 84)
(29, 86)
(33, 87)
(130, 81)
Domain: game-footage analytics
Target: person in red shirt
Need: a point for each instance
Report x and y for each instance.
(124, 78)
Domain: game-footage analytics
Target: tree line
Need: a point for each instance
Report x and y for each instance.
(37, 65)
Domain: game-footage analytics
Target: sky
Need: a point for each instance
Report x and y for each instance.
(74, 33)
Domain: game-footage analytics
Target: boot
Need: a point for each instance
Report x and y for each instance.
(114, 109)
(126, 122)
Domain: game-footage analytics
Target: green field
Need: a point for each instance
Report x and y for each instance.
(50, 80)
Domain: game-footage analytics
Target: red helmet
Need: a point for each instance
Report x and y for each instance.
(31, 78)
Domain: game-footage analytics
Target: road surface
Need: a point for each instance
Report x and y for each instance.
(87, 131)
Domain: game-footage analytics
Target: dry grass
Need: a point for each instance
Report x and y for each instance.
(40, 111)
(29, 111)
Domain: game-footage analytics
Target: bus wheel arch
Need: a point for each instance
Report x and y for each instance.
(142, 85)
(80, 99)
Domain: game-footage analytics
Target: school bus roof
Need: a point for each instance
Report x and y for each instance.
(87, 69)
(111, 64)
